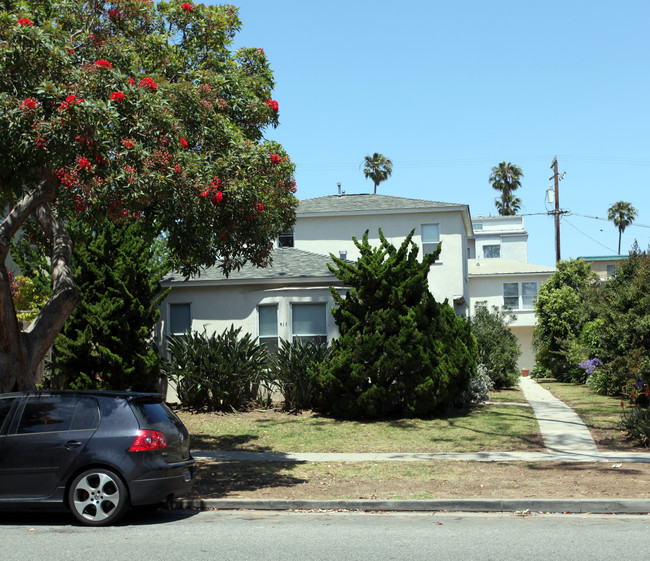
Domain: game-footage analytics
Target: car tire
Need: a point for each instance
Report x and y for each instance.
(98, 497)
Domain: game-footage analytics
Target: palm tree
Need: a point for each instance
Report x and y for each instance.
(506, 177)
(377, 167)
(622, 214)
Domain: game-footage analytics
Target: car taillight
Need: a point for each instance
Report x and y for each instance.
(148, 440)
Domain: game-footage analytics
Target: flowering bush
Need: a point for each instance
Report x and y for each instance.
(25, 22)
(149, 84)
(118, 97)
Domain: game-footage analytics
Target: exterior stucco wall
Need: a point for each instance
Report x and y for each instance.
(333, 234)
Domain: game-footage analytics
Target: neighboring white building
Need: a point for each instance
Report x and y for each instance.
(499, 275)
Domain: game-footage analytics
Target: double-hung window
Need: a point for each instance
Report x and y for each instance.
(268, 327)
(430, 237)
(492, 251)
(519, 296)
(309, 322)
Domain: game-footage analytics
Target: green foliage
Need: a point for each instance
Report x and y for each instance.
(561, 315)
(506, 178)
(498, 349)
(292, 372)
(622, 214)
(221, 372)
(399, 352)
(139, 110)
(106, 343)
(636, 421)
(378, 168)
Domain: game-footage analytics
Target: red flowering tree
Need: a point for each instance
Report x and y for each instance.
(133, 110)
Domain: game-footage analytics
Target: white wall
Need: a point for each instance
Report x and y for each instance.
(333, 234)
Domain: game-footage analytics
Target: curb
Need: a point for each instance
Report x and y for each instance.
(563, 506)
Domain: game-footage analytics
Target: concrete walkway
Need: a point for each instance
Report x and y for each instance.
(566, 438)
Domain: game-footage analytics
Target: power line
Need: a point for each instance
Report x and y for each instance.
(588, 236)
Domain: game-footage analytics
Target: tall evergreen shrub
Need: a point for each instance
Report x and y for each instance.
(400, 353)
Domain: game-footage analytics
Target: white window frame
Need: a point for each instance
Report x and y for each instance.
(320, 337)
(525, 300)
(285, 236)
(492, 248)
(429, 242)
(272, 341)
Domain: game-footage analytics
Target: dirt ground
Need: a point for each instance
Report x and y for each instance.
(402, 480)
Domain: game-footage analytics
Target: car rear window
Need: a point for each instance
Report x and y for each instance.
(53, 413)
(5, 407)
(155, 414)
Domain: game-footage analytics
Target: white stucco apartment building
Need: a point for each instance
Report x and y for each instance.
(291, 298)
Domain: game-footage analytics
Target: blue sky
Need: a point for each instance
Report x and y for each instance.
(447, 90)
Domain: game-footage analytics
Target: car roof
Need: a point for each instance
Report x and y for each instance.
(130, 396)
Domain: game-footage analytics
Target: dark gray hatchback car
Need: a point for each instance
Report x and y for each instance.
(97, 453)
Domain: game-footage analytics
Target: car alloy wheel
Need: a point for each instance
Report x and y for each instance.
(98, 497)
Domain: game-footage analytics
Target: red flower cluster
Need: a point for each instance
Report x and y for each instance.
(214, 190)
(128, 142)
(148, 84)
(83, 163)
(184, 142)
(25, 22)
(101, 63)
(131, 82)
(40, 143)
(275, 159)
(68, 178)
(187, 7)
(118, 97)
(70, 100)
(272, 104)
(29, 104)
(114, 13)
(259, 207)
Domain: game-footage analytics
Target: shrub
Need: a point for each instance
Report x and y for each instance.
(292, 372)
(498, 349)
(478, 389)
(400, 353)
(221, 372)
(636, 421)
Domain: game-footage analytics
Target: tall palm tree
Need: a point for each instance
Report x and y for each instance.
(622, 214)
(377, 167)
(506, 177)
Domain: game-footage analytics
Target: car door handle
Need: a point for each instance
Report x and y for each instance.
(71, 444)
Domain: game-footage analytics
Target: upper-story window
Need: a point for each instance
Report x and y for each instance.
(492, 251)
(430, 238)
(285, 239)
(519, 296)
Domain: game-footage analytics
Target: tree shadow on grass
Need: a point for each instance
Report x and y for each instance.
(580, 467)
(227, 442)
(215, 479)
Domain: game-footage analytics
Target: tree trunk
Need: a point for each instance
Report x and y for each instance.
(22, 351)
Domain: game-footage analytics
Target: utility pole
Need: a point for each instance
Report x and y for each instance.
(557, 176)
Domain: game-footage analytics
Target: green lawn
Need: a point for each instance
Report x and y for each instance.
(487, 428)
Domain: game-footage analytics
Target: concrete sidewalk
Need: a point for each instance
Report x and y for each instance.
(565, 436)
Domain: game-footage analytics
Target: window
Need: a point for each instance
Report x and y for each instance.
(511, 295)
(611, 271)
(285, 239)
(5, 407)
(528, 295)
(430, 237)
(492, 251)
(511, 292)
(180, 319)
(55, 413)
(268, 327)
(309, 322)
(343, 255)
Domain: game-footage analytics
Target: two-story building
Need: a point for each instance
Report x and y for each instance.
(291, 298)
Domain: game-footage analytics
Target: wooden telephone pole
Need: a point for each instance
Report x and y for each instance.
(557, 176)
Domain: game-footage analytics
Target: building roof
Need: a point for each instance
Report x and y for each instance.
(289, 264)
(496, 267)
(368, 204)
(605, 258)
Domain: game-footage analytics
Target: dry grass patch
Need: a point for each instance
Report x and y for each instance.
(419, 480)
